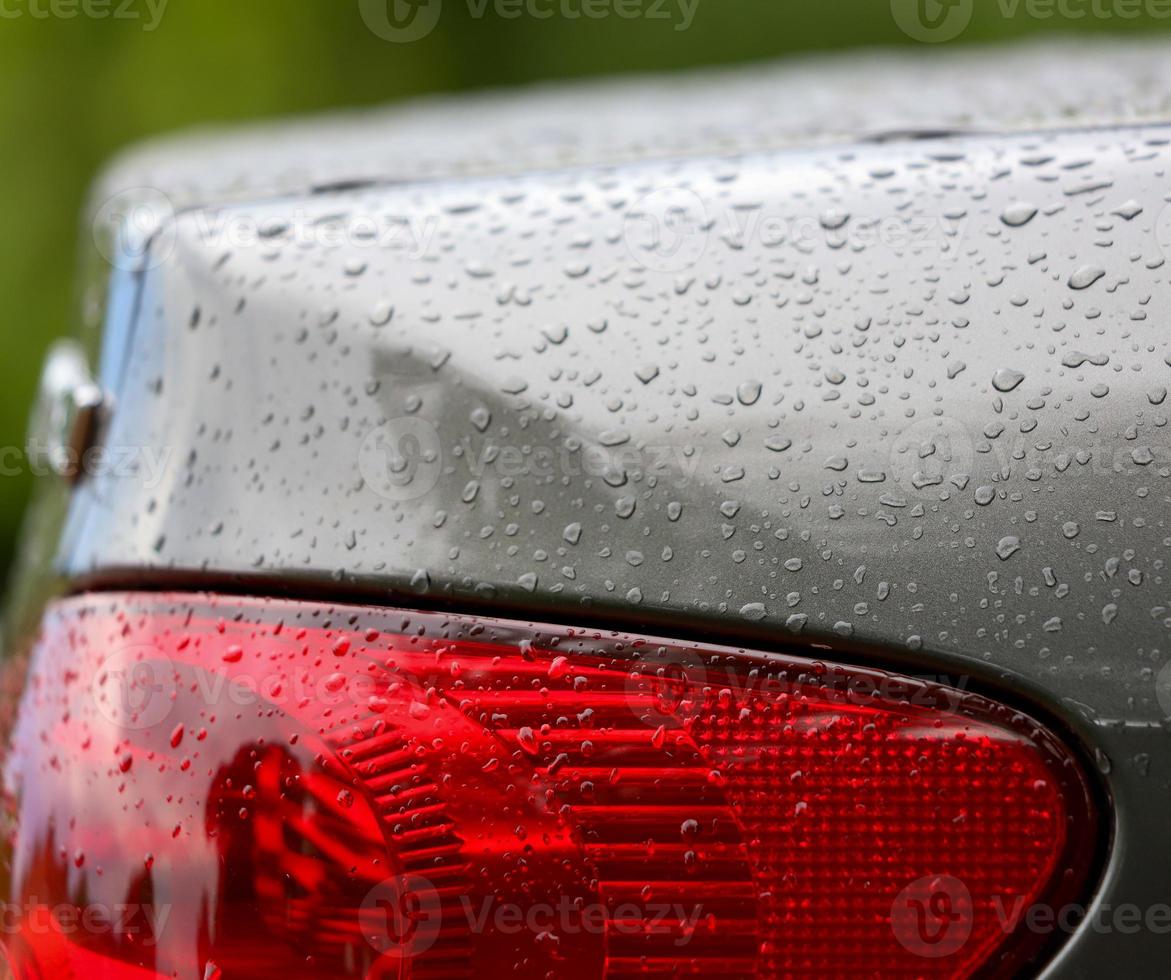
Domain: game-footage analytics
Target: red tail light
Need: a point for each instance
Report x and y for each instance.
(237, 788)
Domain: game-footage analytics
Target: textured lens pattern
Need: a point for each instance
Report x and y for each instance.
(283, 789)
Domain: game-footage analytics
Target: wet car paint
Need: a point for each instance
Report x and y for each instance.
(903, 400)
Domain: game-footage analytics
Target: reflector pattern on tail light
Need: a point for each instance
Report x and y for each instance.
(221, 787)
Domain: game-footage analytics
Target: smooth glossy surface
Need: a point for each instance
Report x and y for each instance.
(231, 787)
(765, 394)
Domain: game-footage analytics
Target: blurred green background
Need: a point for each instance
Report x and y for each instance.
(75, 90)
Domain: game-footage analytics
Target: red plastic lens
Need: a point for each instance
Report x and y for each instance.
(220, 787)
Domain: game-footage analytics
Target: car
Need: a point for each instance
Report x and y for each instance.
(692, 526)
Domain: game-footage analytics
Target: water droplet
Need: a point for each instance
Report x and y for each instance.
(1007, 546)
(1006, 379)
(1085, 276)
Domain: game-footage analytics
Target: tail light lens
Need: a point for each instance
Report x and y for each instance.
(220, 787)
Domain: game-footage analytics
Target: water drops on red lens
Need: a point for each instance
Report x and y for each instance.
(214, 786)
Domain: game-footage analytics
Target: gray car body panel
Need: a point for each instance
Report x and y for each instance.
(903, 399)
